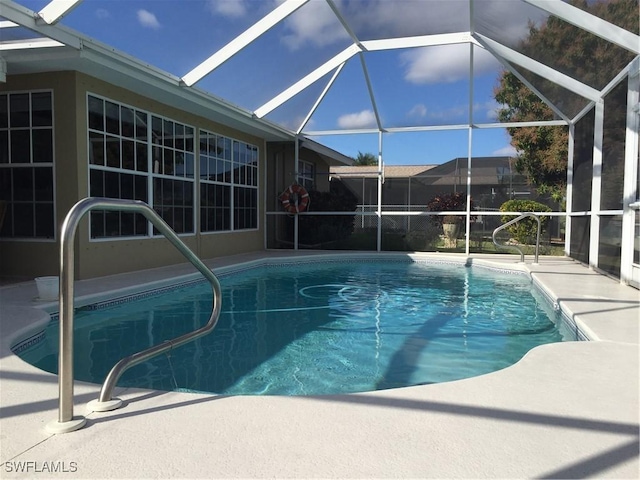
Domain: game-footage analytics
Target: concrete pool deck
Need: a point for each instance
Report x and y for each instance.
(566, 410)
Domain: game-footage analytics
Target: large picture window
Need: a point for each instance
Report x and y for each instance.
(26, 165)
(140, 156)
(228, 184)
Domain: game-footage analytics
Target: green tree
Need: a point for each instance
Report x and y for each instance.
(365, 159)
(542, 151)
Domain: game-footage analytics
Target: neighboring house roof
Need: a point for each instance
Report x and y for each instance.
(484, 171)
(371, 171)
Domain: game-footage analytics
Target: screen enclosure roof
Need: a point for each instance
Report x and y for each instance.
(326, 67)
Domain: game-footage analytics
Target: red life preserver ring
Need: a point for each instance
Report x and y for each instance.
(295, 198)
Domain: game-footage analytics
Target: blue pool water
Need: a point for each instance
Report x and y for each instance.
(318, 329)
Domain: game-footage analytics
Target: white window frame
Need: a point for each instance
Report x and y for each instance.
(32, 164)
(235, 182)
(148, 174)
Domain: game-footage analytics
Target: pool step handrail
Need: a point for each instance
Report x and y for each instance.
(511, 222)
(66, 421)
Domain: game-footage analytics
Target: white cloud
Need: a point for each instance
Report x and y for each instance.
(484, 62)
(314, 24)
(228, 8)
(382, 18)
(442, 64)
(486, 110)
(148, 19)
(459, 113)
(445, 64)
(419, 111)
(101, 13)
(505, 151)
(363, 119)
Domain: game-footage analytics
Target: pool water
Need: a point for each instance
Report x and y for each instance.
(318, 329)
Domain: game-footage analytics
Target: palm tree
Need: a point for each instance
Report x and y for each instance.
(365, 159)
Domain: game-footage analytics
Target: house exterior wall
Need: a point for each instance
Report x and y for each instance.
(281, 174)
(282, 171)
(71, 169)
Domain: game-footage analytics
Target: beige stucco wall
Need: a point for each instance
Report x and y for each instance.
(281, 174)
(104, 257)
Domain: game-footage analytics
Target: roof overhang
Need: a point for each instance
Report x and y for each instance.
(75, 52)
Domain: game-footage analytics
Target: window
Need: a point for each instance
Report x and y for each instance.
(26, 164)
(173, 172)
(228, 184)
(306, 174)
(139, 156)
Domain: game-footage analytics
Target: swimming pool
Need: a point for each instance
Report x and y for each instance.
(318, 328)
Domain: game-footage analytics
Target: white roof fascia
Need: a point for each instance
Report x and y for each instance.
(430, 128)
(121, 62)
(242, 40)
(8, 24)
(31, 43)
(320, 98)
(108, 56)
(24, 17)
(500, 51)
(590, 23)
(306, 81)
(322, 133)
(171, 84)
(56, 9)
(418, 41)
(427, 128)
(372, 97)
(540, 123)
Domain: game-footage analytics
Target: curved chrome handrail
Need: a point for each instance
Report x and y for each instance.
(66, 422)
(511, 222)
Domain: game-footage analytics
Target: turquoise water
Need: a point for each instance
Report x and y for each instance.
(318, 329)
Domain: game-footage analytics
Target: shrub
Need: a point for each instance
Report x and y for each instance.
(449, 202)
(525, 230)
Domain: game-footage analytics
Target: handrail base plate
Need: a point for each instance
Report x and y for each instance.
(98, 406)
(56, 427)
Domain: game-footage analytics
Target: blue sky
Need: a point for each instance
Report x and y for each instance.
(425, 86)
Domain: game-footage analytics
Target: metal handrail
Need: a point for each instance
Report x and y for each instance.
(511, 222)
(66, 421)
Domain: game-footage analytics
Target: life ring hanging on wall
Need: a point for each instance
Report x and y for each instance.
(295, 198)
